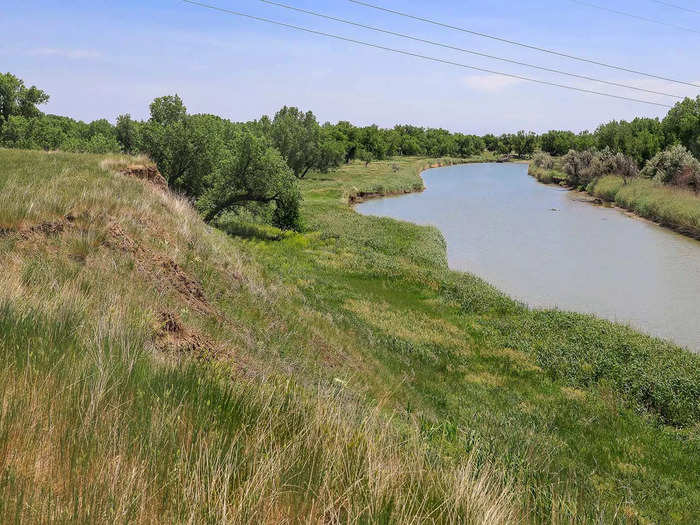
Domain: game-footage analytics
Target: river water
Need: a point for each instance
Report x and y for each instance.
(547, 247)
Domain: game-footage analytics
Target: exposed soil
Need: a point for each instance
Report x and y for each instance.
(172, 335)
(43, 229)
(363, 196)
(147, 173)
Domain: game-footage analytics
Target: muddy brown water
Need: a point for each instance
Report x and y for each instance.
(548, 247)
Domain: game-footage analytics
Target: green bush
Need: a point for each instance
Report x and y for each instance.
(676, 166)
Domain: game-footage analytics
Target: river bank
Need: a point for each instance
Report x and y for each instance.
(447, 324)
(673, 208)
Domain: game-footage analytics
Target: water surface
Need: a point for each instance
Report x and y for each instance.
(549, 248)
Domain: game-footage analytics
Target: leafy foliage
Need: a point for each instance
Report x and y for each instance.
(543, 160)
(299, 138)
(682, 124)
(251, 172)
(674, 166)
(18, 100)
(583, 167)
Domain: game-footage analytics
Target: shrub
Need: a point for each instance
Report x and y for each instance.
(577, 165)
(585, 166)
(676, 166)
(543, 160)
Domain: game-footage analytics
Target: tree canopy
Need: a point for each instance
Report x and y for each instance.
(301, 141)
(18, 100)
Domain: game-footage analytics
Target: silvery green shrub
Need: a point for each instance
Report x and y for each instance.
(675, 165)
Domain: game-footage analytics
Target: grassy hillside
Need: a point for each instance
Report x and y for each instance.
(157, 370)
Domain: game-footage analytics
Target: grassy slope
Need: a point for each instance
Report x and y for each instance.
(344, 373)
(675, 208)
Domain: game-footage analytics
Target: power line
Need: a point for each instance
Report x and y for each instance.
(521, 44)
(423, 57)
(637, 17)
(674, 6)
(477, 53)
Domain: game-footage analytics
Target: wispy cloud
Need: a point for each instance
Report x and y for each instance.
(491, 83)
(75, 54)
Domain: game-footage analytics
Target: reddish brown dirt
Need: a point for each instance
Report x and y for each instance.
(42, 229)
(172, 335)
(147, 173)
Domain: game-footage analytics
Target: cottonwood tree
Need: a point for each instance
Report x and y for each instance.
(18, 100)
(251, 172)
(186, 149)
(682, 124)
(365, 156)
(299, 138)
(127, 131)
(523, 143)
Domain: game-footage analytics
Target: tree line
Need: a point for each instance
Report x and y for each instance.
(252, 168)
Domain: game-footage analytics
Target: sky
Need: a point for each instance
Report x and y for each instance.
(100, 59)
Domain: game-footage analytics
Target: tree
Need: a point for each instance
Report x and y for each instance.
(18, 100)
(557, 142)
(251, 172)
(372, 140)
(365, 156)
(524, 143)
(682, 125)
(491, 142)
(168, 110)
(504, 146)
(584, 140)
(468, 145)
(297, 136)
(127, 133)
(185, 148)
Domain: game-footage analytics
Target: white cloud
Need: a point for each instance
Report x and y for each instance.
(77, 54)
(491, 83)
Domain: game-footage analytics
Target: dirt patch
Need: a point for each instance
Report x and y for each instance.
(43, 229)
(172, 335)
(362, 196)
(164, 271)
(148, 173)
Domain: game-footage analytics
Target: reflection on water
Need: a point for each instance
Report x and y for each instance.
(546, 247)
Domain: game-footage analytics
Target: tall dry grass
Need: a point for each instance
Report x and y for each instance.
(99, 425)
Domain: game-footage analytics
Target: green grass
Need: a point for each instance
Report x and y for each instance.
(344, 374)
(672, 207)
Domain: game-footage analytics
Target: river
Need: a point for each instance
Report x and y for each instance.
(548, 247)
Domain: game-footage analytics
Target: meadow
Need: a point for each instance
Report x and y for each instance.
(155, 368)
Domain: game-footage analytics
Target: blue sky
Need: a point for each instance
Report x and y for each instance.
(103, 58)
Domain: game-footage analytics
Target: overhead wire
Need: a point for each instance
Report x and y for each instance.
(524, 45)
(423, 57)
(637, 17)
(674, 6)
(469, 51)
